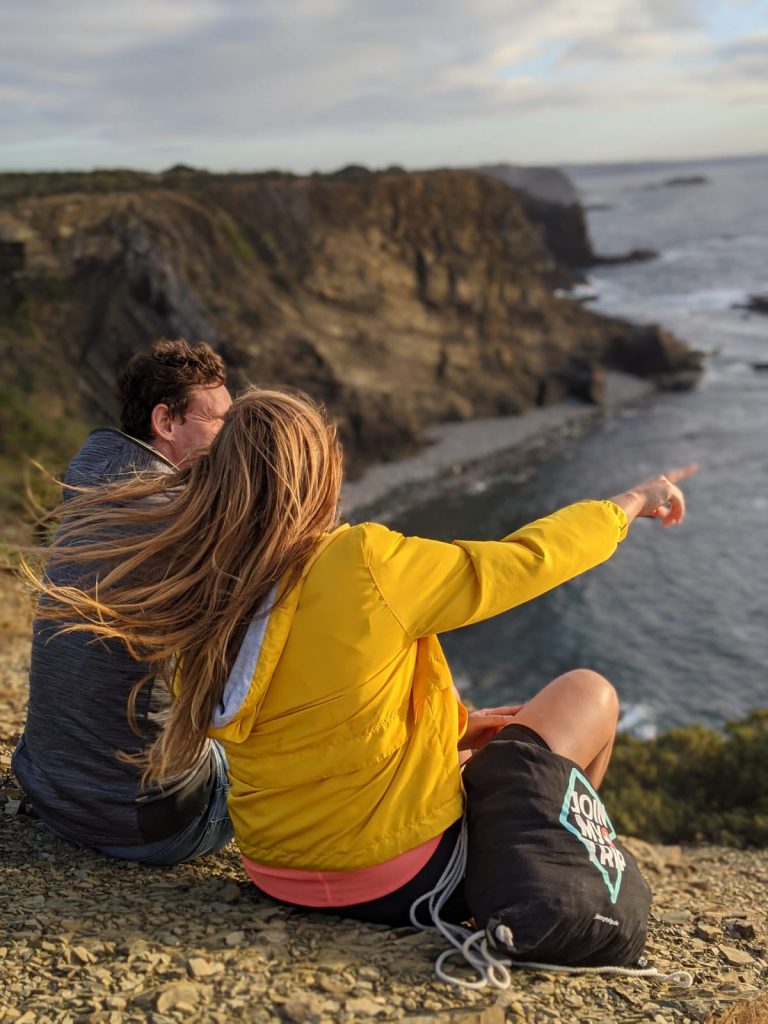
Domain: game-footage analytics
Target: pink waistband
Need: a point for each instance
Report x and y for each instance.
(340, 888)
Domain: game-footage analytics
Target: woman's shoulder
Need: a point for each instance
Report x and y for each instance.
(359, 540)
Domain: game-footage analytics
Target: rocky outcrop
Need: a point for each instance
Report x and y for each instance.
(756, 303)
(552, 203)
(681, 181)
(549, 184)
(654, 352)
(398, 299)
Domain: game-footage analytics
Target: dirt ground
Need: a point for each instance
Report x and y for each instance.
(84, 938)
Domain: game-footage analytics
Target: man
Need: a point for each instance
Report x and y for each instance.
(174, 398)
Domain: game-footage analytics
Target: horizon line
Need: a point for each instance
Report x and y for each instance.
(561, 164)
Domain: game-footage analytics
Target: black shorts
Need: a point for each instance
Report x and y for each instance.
(523, 734)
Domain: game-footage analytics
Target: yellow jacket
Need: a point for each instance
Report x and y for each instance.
(340, 720)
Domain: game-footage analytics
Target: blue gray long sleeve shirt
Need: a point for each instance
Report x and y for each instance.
(77, 719)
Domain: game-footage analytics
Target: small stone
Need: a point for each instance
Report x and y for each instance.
(707, 932)
(179, 992)
(199, 967)
(301, 1008)
(742, 929)
(115, 1003)
(675, 916)
(33, 901)
(334, 985)
(365, 1007)
(231, 893)
(736, 957)
(83, 955)
(234, 938)
(369, 973)
(137, 947)
(331, 964)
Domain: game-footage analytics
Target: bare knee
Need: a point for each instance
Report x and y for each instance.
(577, 711)
(594, 689)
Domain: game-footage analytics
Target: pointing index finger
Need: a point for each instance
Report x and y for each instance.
(674, 475)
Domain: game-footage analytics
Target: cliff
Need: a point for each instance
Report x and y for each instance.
(399, 299)
(551, 202)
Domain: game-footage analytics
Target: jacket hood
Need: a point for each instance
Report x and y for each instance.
(259, 653)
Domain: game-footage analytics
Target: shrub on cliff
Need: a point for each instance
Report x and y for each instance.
(693, 784)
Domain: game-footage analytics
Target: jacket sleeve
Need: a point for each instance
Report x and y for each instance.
(432, 587)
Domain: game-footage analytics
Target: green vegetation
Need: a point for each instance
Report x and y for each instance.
(14, 186)
(239, 245)
(39, 420)
(693, 784)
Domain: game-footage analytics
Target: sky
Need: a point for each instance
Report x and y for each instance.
(306, 85)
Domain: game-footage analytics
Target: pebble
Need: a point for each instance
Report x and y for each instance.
(742, 929)
(231, 893)
(736, 957)
(199, 967)
(82, 954)
(173, 996)
(301, 1008)
(365, 1007)
(115, 1003)
(675, 916)
(334, 985)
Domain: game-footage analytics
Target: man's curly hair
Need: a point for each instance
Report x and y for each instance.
(165, 374)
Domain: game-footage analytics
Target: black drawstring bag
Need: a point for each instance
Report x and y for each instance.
(546, 877)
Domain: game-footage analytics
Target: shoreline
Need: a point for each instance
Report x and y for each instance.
(454, 447)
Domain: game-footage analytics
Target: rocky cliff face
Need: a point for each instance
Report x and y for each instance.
(551, 202)
(398, 299)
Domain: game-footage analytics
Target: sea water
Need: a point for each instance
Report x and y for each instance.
(678, 619)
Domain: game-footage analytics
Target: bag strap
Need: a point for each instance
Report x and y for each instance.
(491, 969)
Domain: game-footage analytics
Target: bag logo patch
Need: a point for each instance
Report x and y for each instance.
(584, 815)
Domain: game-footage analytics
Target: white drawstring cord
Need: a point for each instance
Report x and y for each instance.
(473, 946)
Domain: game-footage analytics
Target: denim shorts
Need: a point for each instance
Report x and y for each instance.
(207, 833)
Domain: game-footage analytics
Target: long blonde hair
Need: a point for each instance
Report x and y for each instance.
(186, 559)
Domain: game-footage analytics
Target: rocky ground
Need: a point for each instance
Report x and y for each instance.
(88, 939)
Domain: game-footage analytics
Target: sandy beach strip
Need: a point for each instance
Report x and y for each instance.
(460, 444)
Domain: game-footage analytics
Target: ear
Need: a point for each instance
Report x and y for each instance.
(162, 423)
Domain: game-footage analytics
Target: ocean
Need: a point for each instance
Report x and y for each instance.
(678, 619)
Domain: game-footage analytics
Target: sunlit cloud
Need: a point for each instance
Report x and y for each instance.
(199, 74)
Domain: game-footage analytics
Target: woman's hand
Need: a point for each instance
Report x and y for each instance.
(483, 725)
(658, 497)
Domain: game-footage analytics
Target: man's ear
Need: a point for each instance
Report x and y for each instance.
(162, 423)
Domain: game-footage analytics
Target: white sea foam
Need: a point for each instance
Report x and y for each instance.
(639, 720)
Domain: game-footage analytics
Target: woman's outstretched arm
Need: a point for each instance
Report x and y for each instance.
(433, 587)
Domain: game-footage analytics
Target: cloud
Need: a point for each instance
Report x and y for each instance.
(204, 71)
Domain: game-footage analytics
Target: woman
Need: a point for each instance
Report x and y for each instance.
(310, 651)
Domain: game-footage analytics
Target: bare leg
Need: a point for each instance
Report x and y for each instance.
(576, 714)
